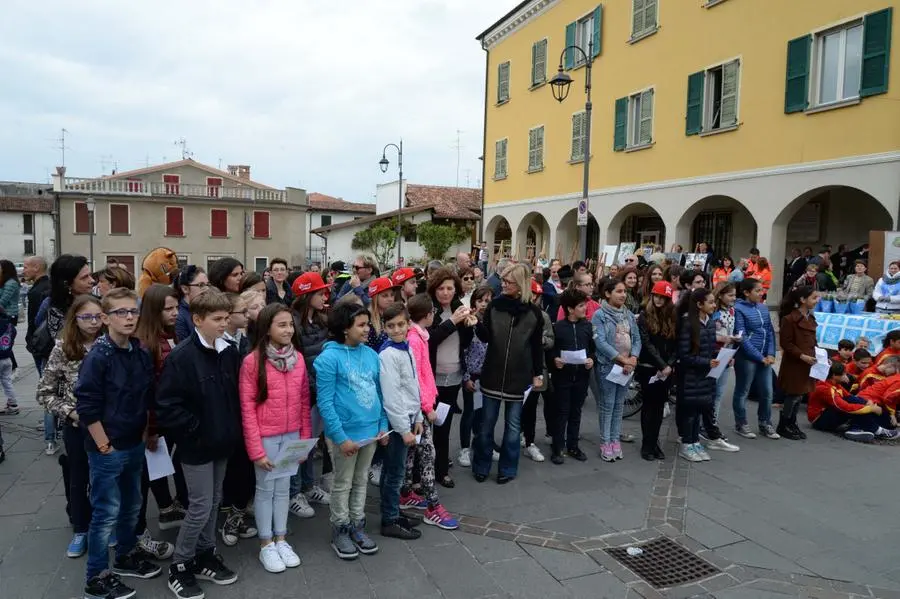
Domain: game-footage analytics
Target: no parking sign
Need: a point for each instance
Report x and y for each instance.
(582, 213)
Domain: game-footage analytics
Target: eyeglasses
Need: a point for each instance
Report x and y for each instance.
(468, 278)
(88, 317)
(585, 285)
(244, 312)
(124, 312)
(198, 285)
(509, 282)
(361, 266)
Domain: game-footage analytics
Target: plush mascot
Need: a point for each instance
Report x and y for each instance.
(158, 267)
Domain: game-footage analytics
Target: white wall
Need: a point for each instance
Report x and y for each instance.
(386, 198)
(12, 236)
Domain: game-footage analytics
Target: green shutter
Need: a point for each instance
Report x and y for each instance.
(503, 82)
(539, 62)
(645, 127)
(578, 136)
(650, 9)
(693, 121)
(637, 17)
(598, 29)
(876, 53)
(620, 136)
(570, 41)
(796, 87)
(728, 111)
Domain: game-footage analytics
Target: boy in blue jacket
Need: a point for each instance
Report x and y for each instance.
(349, 400)
(113, 395)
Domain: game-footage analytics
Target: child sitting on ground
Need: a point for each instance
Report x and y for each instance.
(844, 353)
(879, 371)
(831, 408)
(885, 393)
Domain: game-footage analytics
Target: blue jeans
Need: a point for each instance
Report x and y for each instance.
(610, 404)
(509, 447)
(756, 375)
(720, 391)
(116, 502)
(393, 471)
(273, 497)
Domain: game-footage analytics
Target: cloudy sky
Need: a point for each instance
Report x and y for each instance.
(305, 91)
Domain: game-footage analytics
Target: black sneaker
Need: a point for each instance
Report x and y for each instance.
(136, 565)
(398, 531)
(108, 586)
(210, 566)
(557, 458)
(577, 454)
(171, 517)
(407, 522)
(183, 583)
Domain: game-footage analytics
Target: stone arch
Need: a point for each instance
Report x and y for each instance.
(638, 223)
(567, 238)
(721, 221)
(496, 232)
(532, 236)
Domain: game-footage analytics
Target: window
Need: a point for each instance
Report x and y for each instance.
(634, 121)
(536, 149)
(174, 221)
(212, 186)
(134, 185)
(325, 220)
(715, 229)
(643, 18)
(503, 83)
(218, 223)
(172, 184)
(261, 224)
(119, 219)
(183, 260)
(28, 224)
(840, 64)
(539, 62)
(82, 219)
(211, 259)
(260, 264)
(126, 262)
(712, 98)
(579, 131)
(500, 158)
(586, 34)
(29, 247)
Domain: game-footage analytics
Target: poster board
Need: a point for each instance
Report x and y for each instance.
(625, 249)
(674, 257)
(609, 254)
(697, 261)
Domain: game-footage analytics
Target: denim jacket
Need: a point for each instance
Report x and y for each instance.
(605, 339)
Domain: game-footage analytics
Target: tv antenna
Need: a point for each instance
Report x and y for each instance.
(185, 153)
(62, 144)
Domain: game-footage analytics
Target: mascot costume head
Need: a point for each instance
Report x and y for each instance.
(159, 265)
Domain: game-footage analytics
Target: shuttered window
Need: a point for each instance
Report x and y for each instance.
(119, 219)
(174, 221)
(135, 185)
(712, 98)
(876, 52)
(172, 184)
(586, 33)
(579, 130)
(634, 121)
(126, 262)
(643, 17)
(536, 149)
(261, 224)
(500, 148)
(503, 83)
(212, 186)
(82, 220)
(539, 62)
(218, 223)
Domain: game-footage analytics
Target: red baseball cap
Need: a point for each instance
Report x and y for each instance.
(380, 285)
(401, 275)
(536, 288)
(308, 282)
(662, 288)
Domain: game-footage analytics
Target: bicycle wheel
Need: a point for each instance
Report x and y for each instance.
(633, 400)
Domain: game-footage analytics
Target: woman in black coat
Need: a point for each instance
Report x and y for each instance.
(657, 328)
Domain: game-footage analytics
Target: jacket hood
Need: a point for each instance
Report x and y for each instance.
(334, 346)
(891, 280)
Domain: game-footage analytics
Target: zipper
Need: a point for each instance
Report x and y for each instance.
(512, 320)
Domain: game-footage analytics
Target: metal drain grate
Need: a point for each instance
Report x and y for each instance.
(664, 563)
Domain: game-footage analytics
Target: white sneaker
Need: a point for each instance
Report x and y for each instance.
(534, 453)
(286, 552)
(744, 431)
(689, 453)
(327, 481)
(271, 559)
(317, 495)
(375, 475)
(52, 448)
(300, 507)
(495, 456)
(465, 458)
(722, 445)
(769, 432)
(701, 451)
(522, 441)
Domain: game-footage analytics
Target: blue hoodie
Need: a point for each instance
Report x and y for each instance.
(349, 392)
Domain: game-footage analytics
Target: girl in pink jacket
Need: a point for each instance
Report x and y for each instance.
(275, 406)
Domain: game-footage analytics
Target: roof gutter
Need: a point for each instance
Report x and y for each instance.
(487, 56)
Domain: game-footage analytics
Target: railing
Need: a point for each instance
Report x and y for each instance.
(151, 188)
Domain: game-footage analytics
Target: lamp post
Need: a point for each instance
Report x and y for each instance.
(559, 85)
(90, 204)
(384, 163)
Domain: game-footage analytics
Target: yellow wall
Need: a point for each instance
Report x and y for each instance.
(690, 39)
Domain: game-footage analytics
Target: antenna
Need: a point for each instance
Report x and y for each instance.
(146, 160)
(468, 172)
(458, 147)
(62, 145)
(106, 160)
(185, 153)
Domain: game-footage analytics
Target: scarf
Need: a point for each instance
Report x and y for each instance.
(404, 346)
(888, 279)
(283, 359)
(617, 315)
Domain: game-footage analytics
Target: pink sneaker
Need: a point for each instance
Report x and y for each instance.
(606, 452)
(440, 517)
(617, 450)
(413, 501)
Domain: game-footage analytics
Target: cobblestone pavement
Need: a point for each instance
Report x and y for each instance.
(779, 519)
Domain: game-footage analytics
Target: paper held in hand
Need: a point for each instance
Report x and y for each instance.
(289, 457)
(724, 357)
(617, 375)
(657, 378)
(573, 357)
(159, 462)
(527, 393)
(819, 370)
(441, 410)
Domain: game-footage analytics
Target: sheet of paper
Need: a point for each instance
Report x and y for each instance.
(724, 357)
(289, 457)
(656, 378)
(441, 410)
(527, 393)
(159, 462)
(477, 398)
(365, 442)
(617, 375)
(418, 439)
(573, 357)
(821, 356)
(819, 371)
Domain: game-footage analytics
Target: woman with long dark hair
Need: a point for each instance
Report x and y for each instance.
(723, 271)
(226, 274)
(9, 290)
(652, 275)
(797, 335)
(629, 276)
(657, 360)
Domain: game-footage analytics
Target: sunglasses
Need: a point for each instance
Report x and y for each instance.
(468, 278)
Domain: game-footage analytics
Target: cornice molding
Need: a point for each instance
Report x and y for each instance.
(516, 21)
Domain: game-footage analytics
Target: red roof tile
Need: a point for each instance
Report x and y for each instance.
(320, 201)
(448, 202)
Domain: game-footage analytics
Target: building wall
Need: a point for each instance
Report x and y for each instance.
(13, 236)
(387, 198)
(316, 248)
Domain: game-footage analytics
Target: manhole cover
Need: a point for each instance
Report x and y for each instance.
(664, 563)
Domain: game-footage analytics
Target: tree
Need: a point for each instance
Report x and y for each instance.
(437, 239)
(380, 240)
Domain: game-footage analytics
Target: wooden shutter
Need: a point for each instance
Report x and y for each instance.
(82, 220)
(645, 126)
(174, 221)
(796, 87)
(876, 53)
(500, 159)
(728, 110)
(261, 224)
(218, 223)
(598, 30)
(694, 117)
(172, 184)
(570, 41)
(212, 186)
(620, 131)
(135, 185)
(650, 14)
(126, 262)
(118, 219)
(578, 130)
(536, 149)
(637, 17)
(503, 82)
(539, 62)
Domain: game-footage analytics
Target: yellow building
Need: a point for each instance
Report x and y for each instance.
(740, 123)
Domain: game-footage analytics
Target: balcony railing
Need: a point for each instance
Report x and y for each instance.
(123, 187)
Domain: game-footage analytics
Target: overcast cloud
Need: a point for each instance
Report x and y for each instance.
(305, 91)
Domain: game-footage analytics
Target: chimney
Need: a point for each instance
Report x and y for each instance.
(242, 171)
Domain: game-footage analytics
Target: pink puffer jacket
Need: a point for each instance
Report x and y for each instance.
(418, 343)
(285, 410)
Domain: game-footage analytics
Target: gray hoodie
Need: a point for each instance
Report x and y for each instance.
(399, 386)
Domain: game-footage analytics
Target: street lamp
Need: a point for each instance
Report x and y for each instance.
(384, 163)
(559, 85)
(90, 204)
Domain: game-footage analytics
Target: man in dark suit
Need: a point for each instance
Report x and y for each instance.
(35, 271)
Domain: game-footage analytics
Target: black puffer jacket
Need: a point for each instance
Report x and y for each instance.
(513, 331)
(312, 338)
(693, 383)
(657, 352)
(571, 336)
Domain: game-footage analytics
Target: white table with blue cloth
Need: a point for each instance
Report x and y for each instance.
(834, 327)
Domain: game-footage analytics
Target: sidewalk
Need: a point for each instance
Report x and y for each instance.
(779, 519)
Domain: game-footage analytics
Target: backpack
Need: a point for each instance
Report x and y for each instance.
(7, 337)
(41, 343)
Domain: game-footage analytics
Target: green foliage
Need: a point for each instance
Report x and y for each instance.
(380, 240)
(437, 239)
